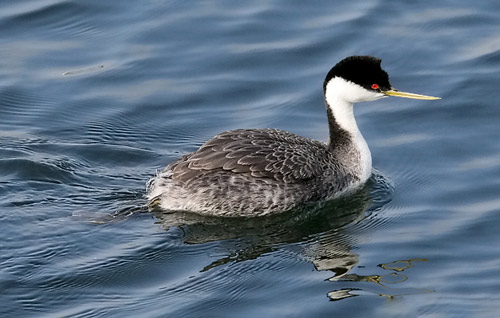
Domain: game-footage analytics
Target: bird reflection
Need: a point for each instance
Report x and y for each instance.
(383, 281)
(325, 235)
(318, 229)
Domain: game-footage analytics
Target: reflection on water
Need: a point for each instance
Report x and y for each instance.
(260, 235)
(323, 232)
(382, 281)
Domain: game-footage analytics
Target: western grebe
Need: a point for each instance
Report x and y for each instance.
(254, 172)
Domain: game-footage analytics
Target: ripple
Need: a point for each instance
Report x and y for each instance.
(18, 107)
(36, 170)
(62, 16)
(110, 263)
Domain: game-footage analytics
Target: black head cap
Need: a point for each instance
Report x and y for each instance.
(362, 70)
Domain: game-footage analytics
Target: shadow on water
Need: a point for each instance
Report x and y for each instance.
(325, 235)
(256, 236)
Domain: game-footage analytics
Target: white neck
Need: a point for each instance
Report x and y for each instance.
(340, 95)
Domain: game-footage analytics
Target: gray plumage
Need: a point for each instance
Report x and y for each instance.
(260, 153)
(252, 172)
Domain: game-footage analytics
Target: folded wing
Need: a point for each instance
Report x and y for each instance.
(261, 153)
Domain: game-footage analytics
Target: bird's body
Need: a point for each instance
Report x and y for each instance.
(255, 172)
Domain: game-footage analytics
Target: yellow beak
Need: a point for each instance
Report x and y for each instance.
(409, 95)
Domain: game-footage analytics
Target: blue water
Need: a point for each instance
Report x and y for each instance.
(95, 96)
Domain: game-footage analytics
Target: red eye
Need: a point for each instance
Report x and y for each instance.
(374, 86)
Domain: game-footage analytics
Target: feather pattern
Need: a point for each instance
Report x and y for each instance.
(253, 172)
(257, 152)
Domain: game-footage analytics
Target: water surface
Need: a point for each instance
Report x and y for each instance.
(96, 96)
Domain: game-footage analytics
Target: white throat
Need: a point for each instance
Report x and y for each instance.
(340, 95)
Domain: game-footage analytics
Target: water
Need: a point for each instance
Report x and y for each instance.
(95, 96)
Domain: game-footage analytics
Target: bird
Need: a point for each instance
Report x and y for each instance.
(259, 172)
